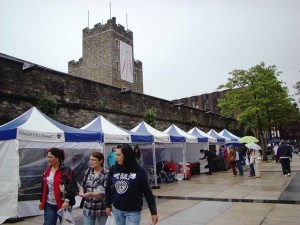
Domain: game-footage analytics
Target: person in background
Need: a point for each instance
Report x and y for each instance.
(284, 154)
(251, 161)
(164, 170)
(239, 160)
(111, 158)
(224, 154)
(59, 187)
(93, 191)
(231, 162)
(257, 155)
(275, 149)
(209, 156)
(127, 184)
(138, 155)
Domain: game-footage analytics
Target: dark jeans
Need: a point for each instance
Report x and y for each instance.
(252, 172)
(210, 166)
(240, 167)
(285, 164)
(50, 214)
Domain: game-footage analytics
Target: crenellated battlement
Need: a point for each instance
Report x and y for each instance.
(110, 25)
(138, 64)
(75, 64)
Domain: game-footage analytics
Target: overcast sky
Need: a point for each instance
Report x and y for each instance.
(187, 47)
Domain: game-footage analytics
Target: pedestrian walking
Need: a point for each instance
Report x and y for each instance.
(93, 191)
(59, 187)
(127, 184)
(284, 154)
(231, 162)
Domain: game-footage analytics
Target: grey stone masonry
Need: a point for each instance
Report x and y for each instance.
(81, 100)
(100, 60)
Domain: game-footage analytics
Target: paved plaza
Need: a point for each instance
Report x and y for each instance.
(221, 199)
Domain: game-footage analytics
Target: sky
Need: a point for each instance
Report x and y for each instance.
(187, 47)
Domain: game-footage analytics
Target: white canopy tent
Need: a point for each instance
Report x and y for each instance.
(202, 138)
(220, 139)
(174, 130)
(234, 140)
(227, 134)
(159, 137)
(111, 134)
(23, 145)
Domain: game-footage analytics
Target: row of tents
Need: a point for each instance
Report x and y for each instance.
(22, 139)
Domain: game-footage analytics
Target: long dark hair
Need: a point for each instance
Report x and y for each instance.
(138, 153)
(129, 164)
(58, 153)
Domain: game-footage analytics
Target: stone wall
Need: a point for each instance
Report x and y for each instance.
(81, 100)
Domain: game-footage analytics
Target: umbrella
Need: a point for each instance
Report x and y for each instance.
(253, 146)
(233, 143)
(248, 139)
(273, 141)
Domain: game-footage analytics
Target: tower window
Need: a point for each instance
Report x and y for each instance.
(135, 77)
(117, 43)
(118, 68)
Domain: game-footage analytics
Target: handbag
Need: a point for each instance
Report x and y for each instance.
(66, 216)
(110, 220)
(247, 161)
(69, 188)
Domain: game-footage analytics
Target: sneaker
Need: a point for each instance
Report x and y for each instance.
(289, 174)
(285, 175)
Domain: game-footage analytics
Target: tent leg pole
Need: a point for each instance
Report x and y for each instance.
(154, 165)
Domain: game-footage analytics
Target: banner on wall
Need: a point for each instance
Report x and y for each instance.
(126, 64)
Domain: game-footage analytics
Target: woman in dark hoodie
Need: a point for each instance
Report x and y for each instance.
(126, 185)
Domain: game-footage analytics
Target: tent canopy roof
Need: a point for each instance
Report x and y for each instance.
(145, 128)
(111, 133)
(202, 136)
(227, 134)
(33, 125)
(173, 130)
(219, 138)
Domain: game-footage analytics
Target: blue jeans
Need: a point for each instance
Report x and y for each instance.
(91, 220)
(127, 218)
(240, 167)
(50, 214)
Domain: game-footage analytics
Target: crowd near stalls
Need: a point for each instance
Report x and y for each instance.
(25, 140)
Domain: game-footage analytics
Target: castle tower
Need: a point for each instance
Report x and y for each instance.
(108, 57)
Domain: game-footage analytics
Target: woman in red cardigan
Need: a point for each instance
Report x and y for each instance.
(59, 186)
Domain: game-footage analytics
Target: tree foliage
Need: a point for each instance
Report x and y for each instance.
(149, 116)
(257, 99)
(48, 105)
(194, 121)
(297, 87)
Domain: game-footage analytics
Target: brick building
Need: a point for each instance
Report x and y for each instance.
(206, 102)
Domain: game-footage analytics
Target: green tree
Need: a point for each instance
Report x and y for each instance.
(297, 87)
(149, 116)
(257, 99)
(194, 121)
(48, 105)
